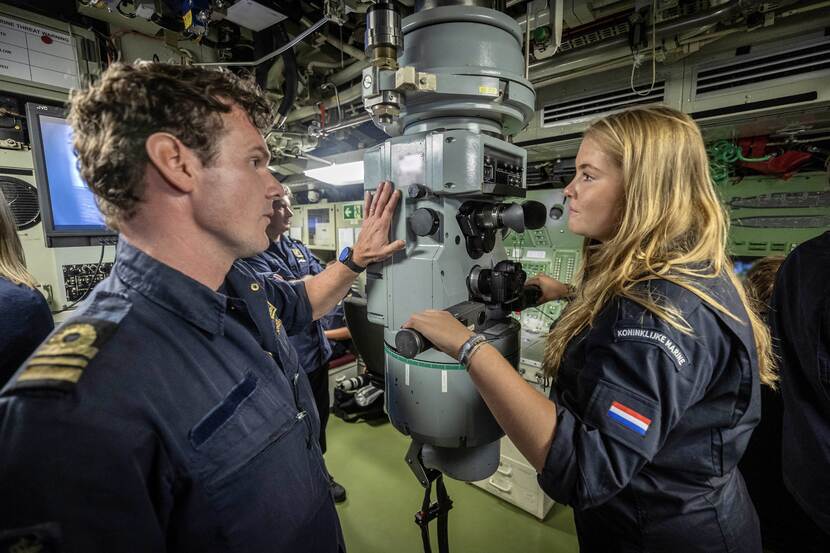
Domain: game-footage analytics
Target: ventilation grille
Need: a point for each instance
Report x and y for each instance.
(22, 199)
(594, 36)
(778, 66)
(556, 113)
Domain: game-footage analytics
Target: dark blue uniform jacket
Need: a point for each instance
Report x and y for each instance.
(800, 319)
(25, 320)
(291, 260)
(166, 416)
(651, 423)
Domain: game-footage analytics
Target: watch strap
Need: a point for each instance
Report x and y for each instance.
(348, 262)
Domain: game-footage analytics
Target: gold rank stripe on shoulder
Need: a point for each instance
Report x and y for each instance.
(50, 372)
(47, 367)
(79, 362)
(66, 353)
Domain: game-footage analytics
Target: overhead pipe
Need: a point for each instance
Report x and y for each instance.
(349, 123)
(289, 85)
(350, 73)
(322, 65)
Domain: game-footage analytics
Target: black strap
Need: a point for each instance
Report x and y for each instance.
(444, 506)
(422, 518)
(440, 510)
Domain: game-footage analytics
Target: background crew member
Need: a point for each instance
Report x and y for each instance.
(291, 260)
(170, 412)
(336, 330)
(800, 325)
(761, 464)
(656, 358)
(25, 318)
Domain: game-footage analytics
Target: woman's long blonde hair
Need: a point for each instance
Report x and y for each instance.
(671, 227)
(12, 259)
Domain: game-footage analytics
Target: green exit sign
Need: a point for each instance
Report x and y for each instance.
(353, 211)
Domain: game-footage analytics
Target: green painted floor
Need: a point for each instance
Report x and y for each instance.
(383, 495)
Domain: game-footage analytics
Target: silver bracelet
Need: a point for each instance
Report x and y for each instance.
(473, 352)
(468, 348)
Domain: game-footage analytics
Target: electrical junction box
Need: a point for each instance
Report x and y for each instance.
(298, 224)
(320, 226)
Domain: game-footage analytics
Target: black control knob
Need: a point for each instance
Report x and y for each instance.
(416, 191)
(424, 221)
(410, 343)
(556, 212)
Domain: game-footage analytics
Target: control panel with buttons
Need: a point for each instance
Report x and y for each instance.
(80, 279)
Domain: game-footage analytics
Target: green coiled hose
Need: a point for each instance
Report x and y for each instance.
(722, 157)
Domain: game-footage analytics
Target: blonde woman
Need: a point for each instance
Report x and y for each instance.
(25, 318)
(657, 360)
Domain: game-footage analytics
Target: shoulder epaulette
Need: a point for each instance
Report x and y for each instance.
(60, 361)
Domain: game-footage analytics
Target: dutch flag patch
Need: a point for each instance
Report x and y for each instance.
(629, 418)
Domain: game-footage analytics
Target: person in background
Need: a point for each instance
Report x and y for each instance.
(760, 282)
(657, 359)
(291, 260)
(761, 463)
(336, 331)
(25, 317)
(800, 324)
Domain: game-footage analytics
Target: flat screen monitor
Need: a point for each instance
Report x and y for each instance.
(69, 212)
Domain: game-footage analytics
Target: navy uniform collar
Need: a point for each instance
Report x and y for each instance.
(284, 248)
(279, 249)
(170, 289)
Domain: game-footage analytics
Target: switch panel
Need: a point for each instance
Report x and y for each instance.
(81, 278)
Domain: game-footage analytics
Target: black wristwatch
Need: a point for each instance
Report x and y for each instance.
(346, 259)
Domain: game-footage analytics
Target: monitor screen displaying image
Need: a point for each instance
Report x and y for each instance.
(73, 204)
(70, 214)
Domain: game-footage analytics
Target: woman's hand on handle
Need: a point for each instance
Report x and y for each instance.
(442, 329)
(551, 288)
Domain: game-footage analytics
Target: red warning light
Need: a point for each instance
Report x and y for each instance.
(46, 39)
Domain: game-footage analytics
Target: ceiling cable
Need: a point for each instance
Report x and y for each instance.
(638, 57)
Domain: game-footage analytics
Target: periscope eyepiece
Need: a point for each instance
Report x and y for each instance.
(479, 222)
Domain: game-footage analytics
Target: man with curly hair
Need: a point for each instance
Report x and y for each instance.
(170, 412)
